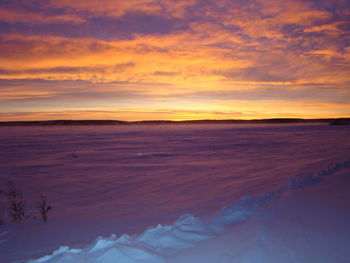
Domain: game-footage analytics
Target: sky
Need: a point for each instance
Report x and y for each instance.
(174, 59)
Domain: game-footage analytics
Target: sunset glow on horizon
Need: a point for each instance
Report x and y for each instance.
(174, 59)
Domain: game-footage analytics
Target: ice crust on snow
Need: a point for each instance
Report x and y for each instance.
(158, 243)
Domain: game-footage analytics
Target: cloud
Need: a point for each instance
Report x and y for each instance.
(327, 94)
(115, 8)
(131, 115)
(175, 52)
(23, 16)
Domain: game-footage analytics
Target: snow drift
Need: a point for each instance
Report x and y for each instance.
(294, 223)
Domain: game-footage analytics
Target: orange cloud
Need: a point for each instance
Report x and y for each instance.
(204, 47)
(332, 28)
(100, 59)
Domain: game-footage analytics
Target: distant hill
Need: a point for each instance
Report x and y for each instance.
(62, 122)
(332, 121)
(343, 121)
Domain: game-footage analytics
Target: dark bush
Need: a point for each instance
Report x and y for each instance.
(17, 204)
(2, 214)
(43, 207)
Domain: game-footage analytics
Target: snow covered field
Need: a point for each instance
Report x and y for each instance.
(105, 180)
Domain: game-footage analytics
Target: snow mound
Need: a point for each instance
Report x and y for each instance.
(161, 243)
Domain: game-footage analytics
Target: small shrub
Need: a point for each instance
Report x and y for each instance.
(43, 207)
(17, 204)
(2, 214)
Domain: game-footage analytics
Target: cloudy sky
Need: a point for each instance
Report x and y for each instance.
(174, 59)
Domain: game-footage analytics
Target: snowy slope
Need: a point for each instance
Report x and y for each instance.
(304, 221)
(114, 180)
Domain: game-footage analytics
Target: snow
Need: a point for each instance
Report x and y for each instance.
(281, 189)
(287, 227)
(304, 225)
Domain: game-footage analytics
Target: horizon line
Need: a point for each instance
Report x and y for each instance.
(194, 121)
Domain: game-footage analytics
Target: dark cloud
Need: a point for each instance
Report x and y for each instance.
(165, 73)
(71, 70)
(260, 74)
(281, 93)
